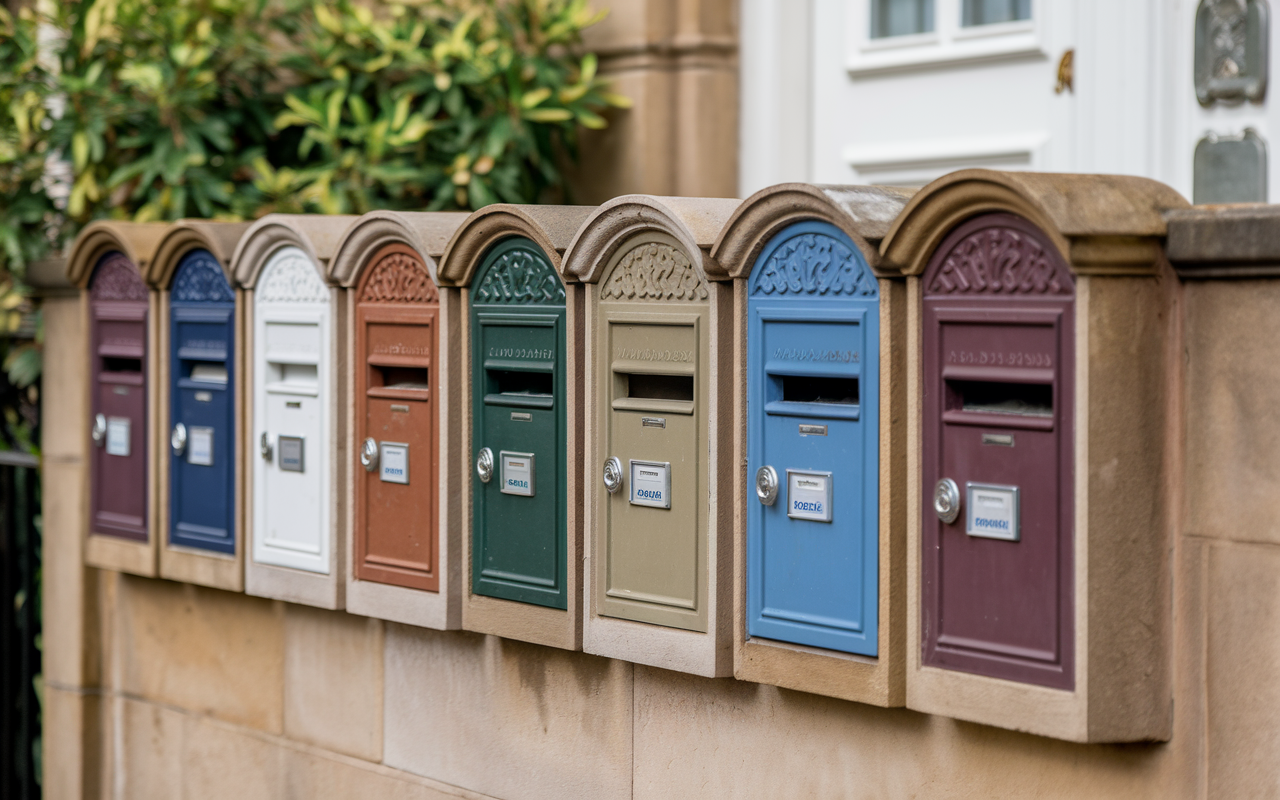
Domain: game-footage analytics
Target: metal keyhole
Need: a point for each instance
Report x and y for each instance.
(178, 439)
(99, 429)
(369, 454)
(484, 465)
(946, 500)
(767, 485)
(613, 474)
(264, 447)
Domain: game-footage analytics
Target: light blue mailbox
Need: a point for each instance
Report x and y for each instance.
(813, 402)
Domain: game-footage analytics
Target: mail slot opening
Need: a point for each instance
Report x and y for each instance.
(110, 364)
(209, 373)
(805, 389)
(401, 378)
(660, 387)
(528, 383)
(986, 397)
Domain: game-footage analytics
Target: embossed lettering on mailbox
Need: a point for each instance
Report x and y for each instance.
(520, 535)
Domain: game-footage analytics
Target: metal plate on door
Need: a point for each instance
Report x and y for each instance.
(809, 495)
(517, 473)
(118, 436)
(200, 446)
(651, 483)
(291, 453)
(992, 511)
(393, 463)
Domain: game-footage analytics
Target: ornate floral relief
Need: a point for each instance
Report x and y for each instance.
(813, 263)
(399, 278)
(201, 280)
(998, 261)
(654, 272)
(117, 279)
(520, 277)
(291, 277)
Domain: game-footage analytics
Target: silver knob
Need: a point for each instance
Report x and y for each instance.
(264, 447)
(99, 429)
(946, 500)
(767, 485)
(178, 439)
(484, 465)
(369, 454)
(613, 474)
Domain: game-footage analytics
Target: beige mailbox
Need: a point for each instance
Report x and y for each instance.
(294, 451)
(659, 436)
(108, 261)
(402, 500)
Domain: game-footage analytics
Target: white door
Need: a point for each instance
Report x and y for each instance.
(291, 415)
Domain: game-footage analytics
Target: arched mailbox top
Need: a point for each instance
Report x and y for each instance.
(315, 236)
(550, 229)
(863, 213)
(998, 254)
(397, 273)
(812, 259)
(217, 239)
(136, 241)
(1099, 224)
(426, 233)
(665, 244)
(116, 278)
(290, 276)
(200, 278)
(517, 273)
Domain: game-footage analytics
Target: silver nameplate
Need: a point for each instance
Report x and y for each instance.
(204, 397)
(521, 416)
(399, 407)
(200, 446)
(992, 511)
(813, 430)
(809, 495)
(999, 439)
(653, 422)
(118, 439)
(393, 463)
(517, 473)
(291, 453)
(651, 483)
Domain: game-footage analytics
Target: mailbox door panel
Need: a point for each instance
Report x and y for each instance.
(998, 420)
(202, 397)
(118, 338)
(291, 408)
(813, 416)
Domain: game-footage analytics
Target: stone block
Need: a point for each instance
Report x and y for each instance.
(149, 744)
(220, 761)
(506, 718)
(319, 776)
(72, 744)
(64, 385)
(68, 658)
(333, 681)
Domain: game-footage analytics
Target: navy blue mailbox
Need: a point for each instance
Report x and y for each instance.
(813, 342)
(202, 393)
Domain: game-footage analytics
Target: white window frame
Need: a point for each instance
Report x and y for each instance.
(948, 43)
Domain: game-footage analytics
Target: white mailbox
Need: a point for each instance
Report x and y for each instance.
(293, 453)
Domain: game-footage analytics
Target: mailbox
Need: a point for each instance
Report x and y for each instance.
(659, 432)
(523, 544)
(401, 555)
(296, 449)
(1040, 531)
(108, 260)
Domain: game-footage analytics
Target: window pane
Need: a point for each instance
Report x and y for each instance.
(987, 12)
(901, 17)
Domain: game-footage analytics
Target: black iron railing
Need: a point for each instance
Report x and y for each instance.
(20, 671)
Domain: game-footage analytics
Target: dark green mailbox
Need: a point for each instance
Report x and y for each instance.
(518, 369)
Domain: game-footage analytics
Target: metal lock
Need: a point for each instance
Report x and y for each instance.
(264, 447)
(613, 474)
(946, 500)
(369, 455)
(767, 485)
(178, 439)
(99, 429)
(484, 465)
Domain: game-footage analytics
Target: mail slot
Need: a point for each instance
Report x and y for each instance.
(118, 364)
(998, 361)
(202, 392)
(395, 442)
(518, 367)
(813, 400)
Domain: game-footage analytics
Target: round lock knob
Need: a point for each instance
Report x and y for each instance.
(99, 429)
(613, 474)
(484, 465)
(369, 454)
(264, 447)
(178, 439)
(767, 485)
(946, 500)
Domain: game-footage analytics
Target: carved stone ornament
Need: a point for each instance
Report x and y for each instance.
(291, 277)
(813, 263)
(654, 271)
(999, 260)
(1232, 40)
(201, 280)
(520, 277)
(117, 279)
(399, 278)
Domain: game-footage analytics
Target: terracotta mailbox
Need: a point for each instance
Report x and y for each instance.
(107, 260)
(198, 350)
(295, 454)
(820, 429)
(401, 558)
(524, 543)
(658, 431)
(1040, 522)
